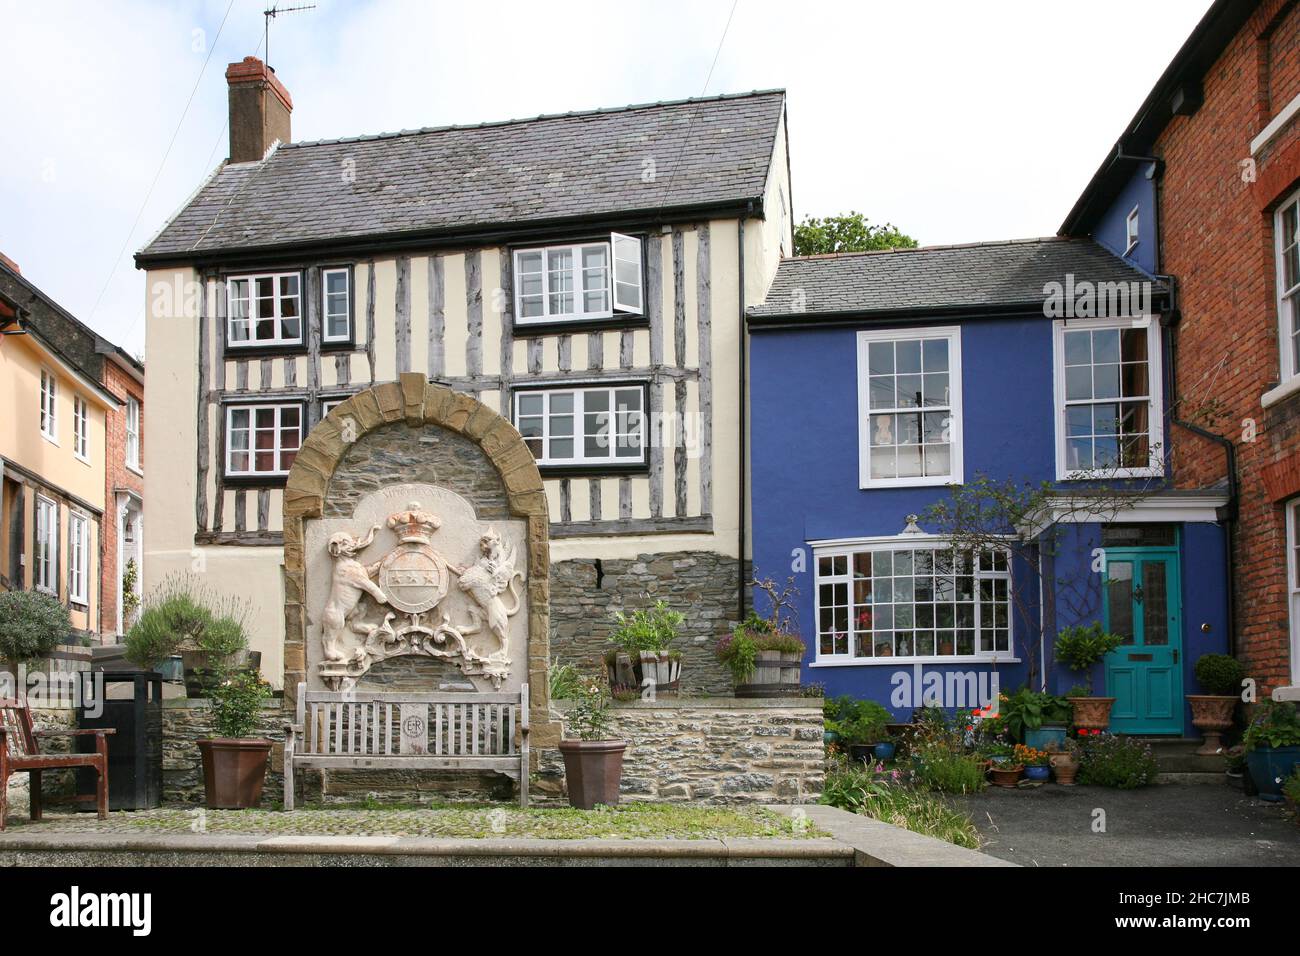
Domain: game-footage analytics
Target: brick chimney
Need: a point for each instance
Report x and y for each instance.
(259, 109)
(10, 263)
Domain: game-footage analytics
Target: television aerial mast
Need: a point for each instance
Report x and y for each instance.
(269, 14)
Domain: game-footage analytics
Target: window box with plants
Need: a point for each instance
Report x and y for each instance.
(764, 655)
(640, 657)
(1220, 676)
(593, 756)
(1272, 745)
(1081, 648)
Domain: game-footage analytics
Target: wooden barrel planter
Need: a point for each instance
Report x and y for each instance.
(776, 674)
(631, 676)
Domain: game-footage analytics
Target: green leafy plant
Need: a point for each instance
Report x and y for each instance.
(1029, 710)
(1291, 788)
(563, 679)
(856, 721)
(1275, 724)
(1220, 674)
(738, 651)
(1124, 763)
(936, 766)
(884, 795)
(237, 698)
(1081, 647)
(589, 717)
(183, 615)
(31, 625)
(130, 585)
(1029, 756)
(850, 232)
(648, 630)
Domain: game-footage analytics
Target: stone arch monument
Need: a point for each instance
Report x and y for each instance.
(416, 550)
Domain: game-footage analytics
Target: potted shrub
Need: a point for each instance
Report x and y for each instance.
(593, 757)
(1033, 760)
(234, 762)
(1036, 718)
(31, 625)
(1006, 774)
(1272, 743)
(1081, 648)
(640, 657)
(1220, 676)
(859, 724)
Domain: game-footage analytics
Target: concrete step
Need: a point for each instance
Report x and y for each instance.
(1178, 756)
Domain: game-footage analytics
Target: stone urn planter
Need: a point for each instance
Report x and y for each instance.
(1212, 716)
(1092, 713)
(234, 769)
(593, 770)
(1065, 768)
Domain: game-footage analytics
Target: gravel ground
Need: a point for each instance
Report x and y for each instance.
(1166, 825)
(631, 821)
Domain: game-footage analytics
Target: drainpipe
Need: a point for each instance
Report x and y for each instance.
(740, 535)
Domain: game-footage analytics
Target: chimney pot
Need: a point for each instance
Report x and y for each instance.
(259, 109)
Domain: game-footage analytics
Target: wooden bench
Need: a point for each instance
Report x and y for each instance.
(20, 752)
(408, 731)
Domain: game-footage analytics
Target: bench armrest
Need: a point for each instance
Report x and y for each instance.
(74, 733)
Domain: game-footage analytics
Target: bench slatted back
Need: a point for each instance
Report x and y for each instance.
(391, 724)
(17, 720)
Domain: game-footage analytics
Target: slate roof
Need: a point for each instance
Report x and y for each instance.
(976, 276)
(460, 178)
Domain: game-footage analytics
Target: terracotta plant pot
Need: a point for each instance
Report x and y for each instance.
(234, 769)
(593, 770)
(1212, 716)
(1092, 713)
(1005, 776)
(1064, 768)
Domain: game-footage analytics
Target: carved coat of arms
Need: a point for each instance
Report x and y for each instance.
(407, 587)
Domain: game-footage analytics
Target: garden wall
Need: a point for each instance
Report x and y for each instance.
(706, 750)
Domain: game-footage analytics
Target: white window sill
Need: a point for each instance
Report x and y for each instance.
(135, 469)
(1276, 394)
(942, 481)
(1275, 126)
(1111, 474)
(582, 317)
(44, 590)
(51, 439)
(907, 661)
(81, 458)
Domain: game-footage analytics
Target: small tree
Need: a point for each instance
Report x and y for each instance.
(849, 232)
(31, 625)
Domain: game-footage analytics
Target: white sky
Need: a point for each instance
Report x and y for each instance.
(956, 121)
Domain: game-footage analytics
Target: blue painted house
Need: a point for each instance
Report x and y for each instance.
(881, 380)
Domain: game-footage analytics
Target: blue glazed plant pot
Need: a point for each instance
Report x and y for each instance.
(885, 751)
(1048, 737)
(1269, 767)
(1036, 773)
(830, 737)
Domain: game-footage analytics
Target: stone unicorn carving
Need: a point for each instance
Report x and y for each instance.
(348, 582)
(485, 580)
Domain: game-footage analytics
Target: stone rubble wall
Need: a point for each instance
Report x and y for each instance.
(185, 722)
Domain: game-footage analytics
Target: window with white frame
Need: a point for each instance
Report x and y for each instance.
(1131, 230)
(900, 599)
(909, 407)
(262, 440)
(1108, 403)
(45, 570)
(49, 412)
(1286, 228)
(80, 428)
(1293, 582)
(589, 280)
(132, 433)
(583, 426)
(78, 558)
(328, 405)
(264, 309)
(336, 307)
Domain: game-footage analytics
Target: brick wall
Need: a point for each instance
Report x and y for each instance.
(117, 478)
(1217, 239)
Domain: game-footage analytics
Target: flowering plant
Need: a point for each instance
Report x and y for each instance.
(1029, 756)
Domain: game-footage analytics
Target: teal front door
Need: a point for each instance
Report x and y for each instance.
(1142, 604)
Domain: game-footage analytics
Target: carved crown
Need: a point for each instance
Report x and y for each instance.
(413, 524)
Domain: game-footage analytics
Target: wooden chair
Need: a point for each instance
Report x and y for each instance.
(20, 751)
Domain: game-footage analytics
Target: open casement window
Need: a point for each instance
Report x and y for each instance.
(583, 426)
(45, 560)
(262, 440)
(909, 414)
(1287, 230)
(1109, 418)
(881, 602)
(579, 282)
(264, 310)
(78, 558)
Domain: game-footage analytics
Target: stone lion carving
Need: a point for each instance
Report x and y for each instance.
(350, 579)
(486, 580)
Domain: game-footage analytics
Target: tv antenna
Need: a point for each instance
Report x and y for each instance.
(270, 13)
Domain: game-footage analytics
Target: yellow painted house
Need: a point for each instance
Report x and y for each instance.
(52, 439)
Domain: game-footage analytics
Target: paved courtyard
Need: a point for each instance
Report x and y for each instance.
(1166, 825)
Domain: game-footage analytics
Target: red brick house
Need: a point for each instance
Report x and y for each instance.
(1210, 169)
(123, 494)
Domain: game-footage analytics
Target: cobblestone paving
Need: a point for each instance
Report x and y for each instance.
(633, 821)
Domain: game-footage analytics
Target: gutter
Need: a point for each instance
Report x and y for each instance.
(741, 577)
